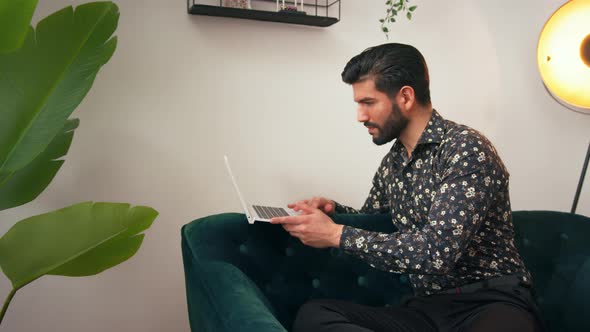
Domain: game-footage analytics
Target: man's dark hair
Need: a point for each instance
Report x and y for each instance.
(391, 66)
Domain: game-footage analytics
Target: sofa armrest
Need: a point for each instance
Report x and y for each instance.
(221, 297)
(236, 269)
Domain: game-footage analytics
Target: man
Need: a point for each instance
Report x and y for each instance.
(447, 192)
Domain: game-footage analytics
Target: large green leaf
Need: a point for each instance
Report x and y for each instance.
(43, 82)
(27, 183)
(15, 18)
(79, 240)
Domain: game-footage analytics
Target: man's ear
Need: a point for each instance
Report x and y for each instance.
(406, 97)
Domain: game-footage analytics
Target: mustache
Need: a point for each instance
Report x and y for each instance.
(371, 124)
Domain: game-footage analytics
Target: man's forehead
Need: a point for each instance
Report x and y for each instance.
(364, 89)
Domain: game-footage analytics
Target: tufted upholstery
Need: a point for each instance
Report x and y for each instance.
(242, 277)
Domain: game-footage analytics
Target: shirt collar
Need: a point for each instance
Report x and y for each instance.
(434, 131)
(432, 134)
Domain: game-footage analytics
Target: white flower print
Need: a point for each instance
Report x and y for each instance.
(359, 242)
(419, 163)
(481, 157)
(458, 187)
(437, 264)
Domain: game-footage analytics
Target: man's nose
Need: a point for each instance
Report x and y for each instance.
(362, 115)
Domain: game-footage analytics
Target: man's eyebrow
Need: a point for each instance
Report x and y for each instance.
(365, 100)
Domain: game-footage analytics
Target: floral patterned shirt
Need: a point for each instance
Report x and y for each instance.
(450, 204)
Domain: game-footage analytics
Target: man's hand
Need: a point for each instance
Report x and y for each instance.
(314, 228)
(326, 205)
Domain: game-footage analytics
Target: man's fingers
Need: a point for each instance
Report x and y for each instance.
(315, 202)
(308, 205)
(295, 206)
(307, 209)
(287, 220)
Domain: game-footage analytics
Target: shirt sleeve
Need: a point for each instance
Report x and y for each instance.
(470, 179)
(377, 201)
(339, 208)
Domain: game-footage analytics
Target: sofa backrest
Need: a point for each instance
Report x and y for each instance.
(555, 247)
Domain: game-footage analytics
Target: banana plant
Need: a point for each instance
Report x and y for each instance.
(15, 17)
(45, 72)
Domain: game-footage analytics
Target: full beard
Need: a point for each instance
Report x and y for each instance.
(391, 129)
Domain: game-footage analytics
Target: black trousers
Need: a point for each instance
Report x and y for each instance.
(504, 308)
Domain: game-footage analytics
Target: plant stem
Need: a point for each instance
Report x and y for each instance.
(6, 303)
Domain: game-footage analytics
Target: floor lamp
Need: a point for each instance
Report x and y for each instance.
(563, 57)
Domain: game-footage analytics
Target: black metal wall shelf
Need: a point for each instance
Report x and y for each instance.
(268, 15)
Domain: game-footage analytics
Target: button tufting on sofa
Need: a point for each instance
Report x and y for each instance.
(403, 279)
(362, 281)
(289, 251)
(335, 252)
(243, 249)
(315, 283)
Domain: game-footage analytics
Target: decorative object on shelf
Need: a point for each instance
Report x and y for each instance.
(285, 8)
(292, 10)
(242, 4)
(395, 7)
(563, 57)
(319, 14)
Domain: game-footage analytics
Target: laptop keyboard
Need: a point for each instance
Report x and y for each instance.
(268, 212)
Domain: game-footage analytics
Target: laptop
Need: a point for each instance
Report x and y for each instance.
(257, 212)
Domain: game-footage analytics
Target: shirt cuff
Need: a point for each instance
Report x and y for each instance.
(347, 239)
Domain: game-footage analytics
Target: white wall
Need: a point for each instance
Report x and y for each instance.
(183, 90)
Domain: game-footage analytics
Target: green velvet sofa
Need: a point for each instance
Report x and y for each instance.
(242, 277)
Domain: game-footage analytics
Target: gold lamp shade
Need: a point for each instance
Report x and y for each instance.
(563, 55)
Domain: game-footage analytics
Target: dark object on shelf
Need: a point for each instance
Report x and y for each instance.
(293, 17)
(292, 12)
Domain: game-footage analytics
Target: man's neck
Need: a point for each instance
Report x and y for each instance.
(416, 125)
